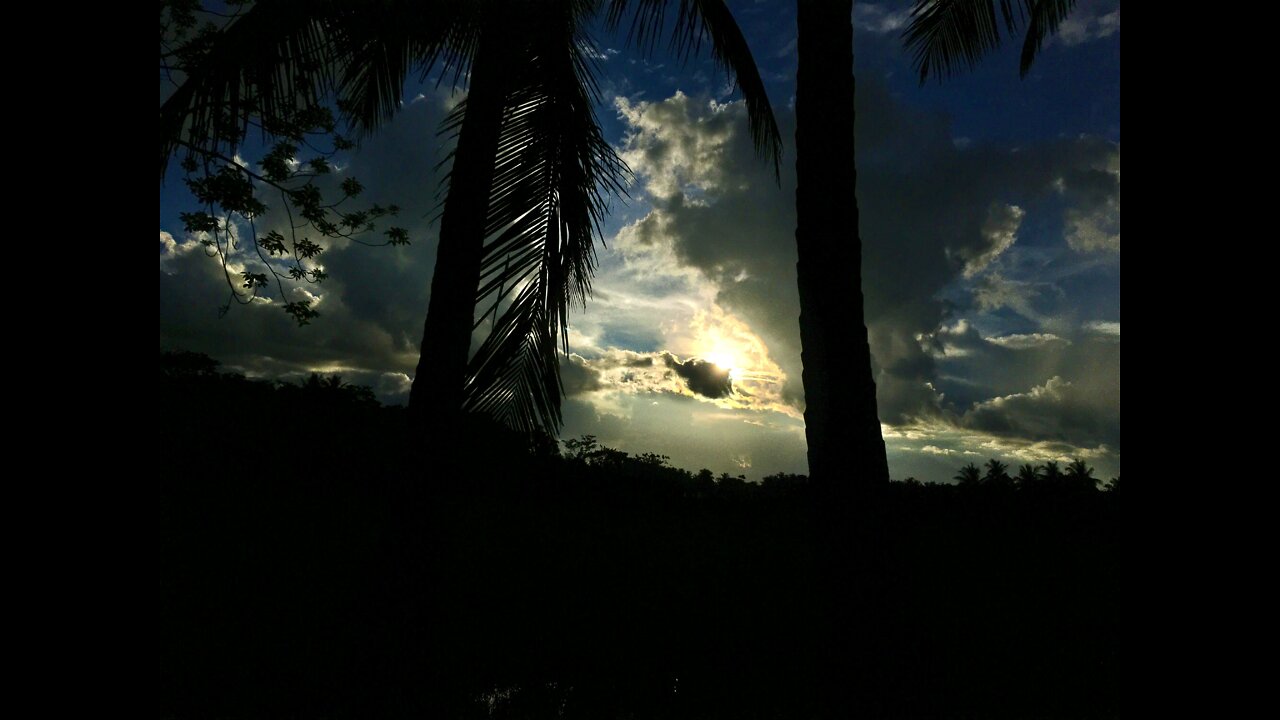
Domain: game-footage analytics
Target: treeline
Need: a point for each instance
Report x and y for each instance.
(196, 373)
(1075, 477)
(320, 558)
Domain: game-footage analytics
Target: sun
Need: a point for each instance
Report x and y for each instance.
(725, 360)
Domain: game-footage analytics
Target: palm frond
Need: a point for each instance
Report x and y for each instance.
(284, 56)
(946, 36)
(553, 174)
(1046, 16)
(945, 33)
(271, 61)
(378, 49)
(695, 22)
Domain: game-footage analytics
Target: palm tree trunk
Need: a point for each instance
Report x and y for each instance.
(437, 392)
(841, 423)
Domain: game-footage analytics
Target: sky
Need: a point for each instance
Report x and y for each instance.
(990, 223)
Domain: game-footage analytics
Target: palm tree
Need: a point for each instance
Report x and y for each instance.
(515, 373)
(969, 476)
(1051, 475)
(1028, 476)
(1080, 476)
(839, 385)
(840, 394)
(528, 166)
(530, 169)
(997, 474)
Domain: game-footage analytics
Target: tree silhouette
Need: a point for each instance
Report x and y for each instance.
(969, 476)
(1048, 479)
(839, 384)
(1051, 474)
(530, 169)
(1028, 476)
(1080, 476)
(997, 474)
(303, 576)
(840, 393)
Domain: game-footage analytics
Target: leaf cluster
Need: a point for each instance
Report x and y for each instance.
(206, 120)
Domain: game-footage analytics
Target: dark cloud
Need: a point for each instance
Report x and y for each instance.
(1035, 387)
(1092, 20)
(577, 377)
(1057, 411)
(703, 377)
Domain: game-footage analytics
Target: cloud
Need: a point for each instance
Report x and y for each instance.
(1092, 225)
(664, 373)
(1095, 231)
(678, 145)
(950, 446)
(1026, 341)
(577, 377)
(1057, 411)
(948, 234)
(1110, 329)
(1000, 231)
(693, 433)
(717, 213)
(995, 291)
(704, 377)
(879, 20)
(1089, 21)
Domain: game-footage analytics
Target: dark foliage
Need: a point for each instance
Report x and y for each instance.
(346, 569)
(946, 36)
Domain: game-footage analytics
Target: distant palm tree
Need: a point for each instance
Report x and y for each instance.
(1028, 476)
(1051, 475)
(530, 169)
(970, 475)
(1080, 476)
(997, 474)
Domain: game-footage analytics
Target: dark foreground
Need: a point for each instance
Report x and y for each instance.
(318, 560)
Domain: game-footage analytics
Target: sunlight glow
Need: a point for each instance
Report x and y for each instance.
(724, 359)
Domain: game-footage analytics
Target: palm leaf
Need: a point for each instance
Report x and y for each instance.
(553, 173)
(269, 62)
(946, 36)
(1046, 16)
(379, 48)
(695, 22)
(284, 56)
